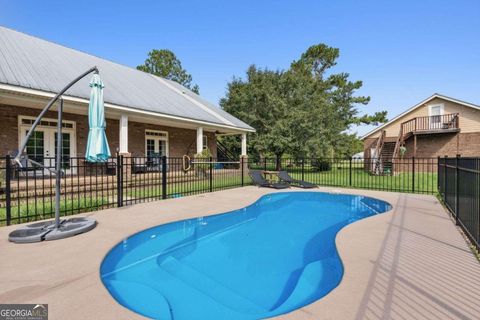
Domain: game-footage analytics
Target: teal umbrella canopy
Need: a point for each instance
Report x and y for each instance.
(97, 145)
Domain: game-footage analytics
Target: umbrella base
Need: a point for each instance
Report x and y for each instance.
(40, 231)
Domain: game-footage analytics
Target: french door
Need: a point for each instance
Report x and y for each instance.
(42, 146)
(156, 147)
(436, 117)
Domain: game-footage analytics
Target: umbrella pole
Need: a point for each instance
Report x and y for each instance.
(58, 165)
(43, 231)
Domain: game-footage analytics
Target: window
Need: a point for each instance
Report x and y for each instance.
(35, 146)
(436, 110)
(205, 142)
(46, 123)
(156, 143)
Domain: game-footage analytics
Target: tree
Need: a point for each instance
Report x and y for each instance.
(259, 101)
(304, 111)
(164, 63)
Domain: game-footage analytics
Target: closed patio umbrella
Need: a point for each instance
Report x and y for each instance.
(97, 145)
(97, 150)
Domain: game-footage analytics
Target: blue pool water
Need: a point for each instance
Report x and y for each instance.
(266, 259)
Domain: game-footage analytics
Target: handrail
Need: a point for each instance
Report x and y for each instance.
(378, 147)
(398, 143)
(378, 151)
(426, 123)
(431, 123)
(227, 153)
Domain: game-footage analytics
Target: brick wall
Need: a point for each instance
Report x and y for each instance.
(179, 139)
(435, 145)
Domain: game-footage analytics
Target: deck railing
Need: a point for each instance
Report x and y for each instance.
(431, 123)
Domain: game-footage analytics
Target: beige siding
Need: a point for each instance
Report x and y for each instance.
(469, 117)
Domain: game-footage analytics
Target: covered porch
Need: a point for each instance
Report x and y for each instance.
(130, 132)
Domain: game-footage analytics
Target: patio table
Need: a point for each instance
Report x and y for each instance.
(271, 175)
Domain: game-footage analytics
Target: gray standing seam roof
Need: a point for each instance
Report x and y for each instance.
(33, 63)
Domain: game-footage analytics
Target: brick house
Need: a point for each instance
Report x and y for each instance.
(145, 114)
(437, 126)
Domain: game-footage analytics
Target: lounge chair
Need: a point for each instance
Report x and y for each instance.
(260, 181)
(284, 176)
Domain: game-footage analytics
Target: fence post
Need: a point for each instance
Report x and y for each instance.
(350, 172)
(119, 180)
(164, 177)
(457, 183)
(438, 175)
(265, 165)
(241, 166)
(303, 169)
(445, 178)
(413, 174)
(8, 196)
(211, 175)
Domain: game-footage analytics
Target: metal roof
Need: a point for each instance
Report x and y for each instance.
(33, 63)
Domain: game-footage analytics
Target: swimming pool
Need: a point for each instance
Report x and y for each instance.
(269, 258)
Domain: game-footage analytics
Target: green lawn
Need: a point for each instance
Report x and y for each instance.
(338, 176)
(424, 182)
(45, 208)
(188, 188)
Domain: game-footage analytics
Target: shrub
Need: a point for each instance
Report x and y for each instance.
(202, 169)
(321, 165)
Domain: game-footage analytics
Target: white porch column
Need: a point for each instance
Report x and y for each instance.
(123, 148)
(199, 139)
(244, 144)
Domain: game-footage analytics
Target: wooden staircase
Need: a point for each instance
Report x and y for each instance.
(386, 157)
(388, 153)
(384, 151)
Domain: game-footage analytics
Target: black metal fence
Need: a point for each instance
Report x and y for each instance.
(459, 188)
(414, 175)
(27, 193)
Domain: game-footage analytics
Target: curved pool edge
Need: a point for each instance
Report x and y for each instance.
(339, 246)
(349, 261)
(68, 281)
(248, 204)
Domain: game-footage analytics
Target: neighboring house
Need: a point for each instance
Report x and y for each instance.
(437, 126)
(145, 114)
(358, 156)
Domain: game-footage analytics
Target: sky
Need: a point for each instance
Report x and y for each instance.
(403, 51)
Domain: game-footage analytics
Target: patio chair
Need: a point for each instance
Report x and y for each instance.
(24, 167)
(284, 176)
(111, 167)
(260, 181)
(139, 166)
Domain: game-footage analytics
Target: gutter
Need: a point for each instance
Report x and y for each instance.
(45, 94)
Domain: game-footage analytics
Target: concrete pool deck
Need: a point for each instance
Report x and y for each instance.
(409, 263)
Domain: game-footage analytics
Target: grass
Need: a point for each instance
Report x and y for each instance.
(423, 182)
(338, 176)
(182, 189)
(45, 208)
